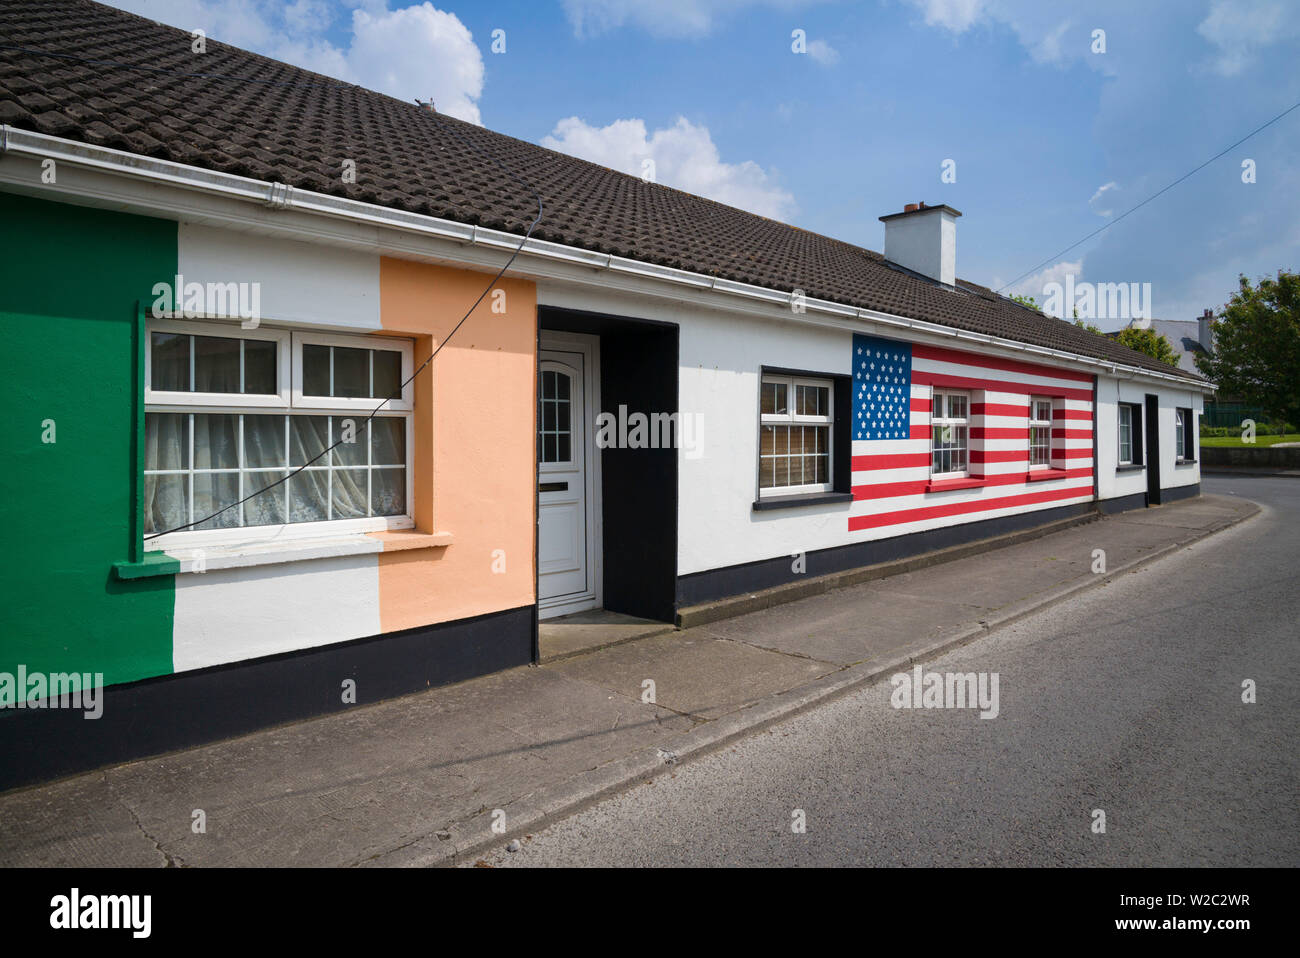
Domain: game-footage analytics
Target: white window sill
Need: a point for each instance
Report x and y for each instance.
(243, 555)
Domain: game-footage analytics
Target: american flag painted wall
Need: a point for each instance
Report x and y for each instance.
(892, 387)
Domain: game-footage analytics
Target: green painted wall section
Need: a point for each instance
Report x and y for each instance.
(70, 279)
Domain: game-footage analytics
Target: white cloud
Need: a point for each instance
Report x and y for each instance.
(1037, 25)
(1240, 28)
(1100, 197)
(416, 52)
(684, 157)
(1036, 284)
(419, 52)
(823, 52)
(663, 18)
(954, 15)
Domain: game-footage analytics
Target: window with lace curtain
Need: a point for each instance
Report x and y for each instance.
(230, 411)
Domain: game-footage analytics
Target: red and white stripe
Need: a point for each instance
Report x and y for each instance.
(891, 478)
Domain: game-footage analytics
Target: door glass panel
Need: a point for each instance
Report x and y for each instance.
(555, 435)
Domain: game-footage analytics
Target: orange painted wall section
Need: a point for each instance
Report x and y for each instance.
(475, 445)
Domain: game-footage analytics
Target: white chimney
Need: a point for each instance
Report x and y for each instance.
(923, 239)
(1204, 332)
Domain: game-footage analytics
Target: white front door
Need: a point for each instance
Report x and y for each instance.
(566, 566)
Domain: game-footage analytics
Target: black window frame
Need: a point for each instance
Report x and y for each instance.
(1139, 460)
(841, 441)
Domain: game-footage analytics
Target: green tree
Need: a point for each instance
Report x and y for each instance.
(1026, 301)
(1256, 351)
(1148, 341)
(1090, 327)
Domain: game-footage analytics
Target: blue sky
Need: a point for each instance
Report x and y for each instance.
(1050, 139)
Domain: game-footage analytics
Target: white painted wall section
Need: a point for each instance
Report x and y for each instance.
(300, 282)
(237, 614)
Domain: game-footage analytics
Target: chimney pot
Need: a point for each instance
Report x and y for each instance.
(910, 208)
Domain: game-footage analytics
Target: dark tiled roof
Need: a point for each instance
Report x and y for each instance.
(125, 82)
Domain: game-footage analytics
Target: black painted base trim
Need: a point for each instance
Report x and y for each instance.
(1110, 507)
(764, 574)
(1181, 492)
(193, 708)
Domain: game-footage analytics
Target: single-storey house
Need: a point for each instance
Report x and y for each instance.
(240, 491)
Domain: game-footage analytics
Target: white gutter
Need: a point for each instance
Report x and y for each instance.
(280, 196)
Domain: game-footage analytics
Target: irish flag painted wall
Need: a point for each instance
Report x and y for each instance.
(72, 280)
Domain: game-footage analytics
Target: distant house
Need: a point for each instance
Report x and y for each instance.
(1187, 336)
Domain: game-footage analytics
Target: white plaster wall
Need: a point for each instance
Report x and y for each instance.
(1111, 392)
(236, 614)
(300, 282)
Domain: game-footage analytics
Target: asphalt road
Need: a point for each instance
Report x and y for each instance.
(1126, 699)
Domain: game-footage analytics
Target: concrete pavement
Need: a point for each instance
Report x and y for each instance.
(422, 780)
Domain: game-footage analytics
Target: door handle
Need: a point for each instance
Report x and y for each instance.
(553, 487)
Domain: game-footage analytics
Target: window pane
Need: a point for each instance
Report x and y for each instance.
(216, 364)
(956, 407)
(936, 406)
(259, 367)
(309, 496)
(782, 440)
(768, 404)
(388, 492)
(267, 508)
(214, 491)
(564, 448)
(349, 493)
(805, 401)
(350, 435)
(166, 440)
(388, 373)
(548, 416)
(781, 471)
(264, 441)
(813, 401)
(315, 370)
(388, 441)
(166, 503)
(351, 372)
(767, 440)
(307, 439)
(170, 358)
(216, 443)
(561, 387)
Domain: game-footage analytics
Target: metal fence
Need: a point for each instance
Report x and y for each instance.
(1230, 415)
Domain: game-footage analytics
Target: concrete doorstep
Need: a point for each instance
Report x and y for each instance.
(438, 777)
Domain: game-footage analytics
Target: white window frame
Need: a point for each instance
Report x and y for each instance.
(1036, 422)
(935, 394)
(403, 403)
(220, 330)
(1119, 434)
(790, 418)
(283, 403)
(1180, 436)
